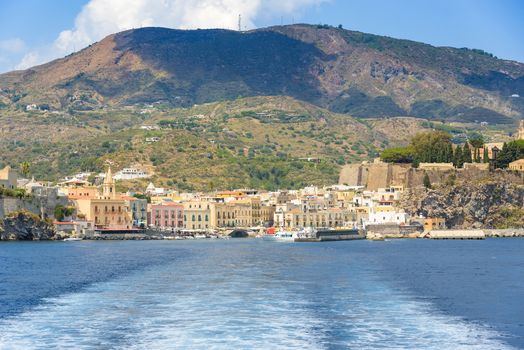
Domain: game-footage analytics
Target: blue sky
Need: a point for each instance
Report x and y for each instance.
(30, 29)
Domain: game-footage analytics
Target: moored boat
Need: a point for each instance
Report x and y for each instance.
(72, 239)
(281, 236)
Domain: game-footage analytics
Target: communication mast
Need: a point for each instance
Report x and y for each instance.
(239, 23)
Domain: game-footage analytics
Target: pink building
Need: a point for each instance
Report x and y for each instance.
(167, 215)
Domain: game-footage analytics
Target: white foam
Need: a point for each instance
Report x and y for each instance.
(180, 307)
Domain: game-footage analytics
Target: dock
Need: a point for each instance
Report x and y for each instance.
(455, 234)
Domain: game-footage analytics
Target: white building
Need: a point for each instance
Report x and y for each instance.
(130, 174)
(79, 176)
(152, 139)
(155, 191)
(385, 215)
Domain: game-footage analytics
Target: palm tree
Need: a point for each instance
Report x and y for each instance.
(24, 168)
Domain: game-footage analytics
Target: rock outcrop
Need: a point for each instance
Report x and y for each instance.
(24, 226)
(493, 204)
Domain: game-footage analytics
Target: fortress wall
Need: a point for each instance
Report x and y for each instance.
(350, 175)
(9, 205)
(379, 176)
(399, 172)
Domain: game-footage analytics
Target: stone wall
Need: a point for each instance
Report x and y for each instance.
(10, 204)
(381, 175)
(42, 202)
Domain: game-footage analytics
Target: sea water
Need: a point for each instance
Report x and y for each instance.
(252, 294)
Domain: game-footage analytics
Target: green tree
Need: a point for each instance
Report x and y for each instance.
(62, 212)
(458, 157)
(466, 154)
(397, 155)
(431, 147)
(426, 181)
(449, 153)
(485, 156)
(476, 140)
(511, 151)
(477, 155)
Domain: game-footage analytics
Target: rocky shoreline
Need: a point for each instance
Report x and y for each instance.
(486, 205)
(25, 226)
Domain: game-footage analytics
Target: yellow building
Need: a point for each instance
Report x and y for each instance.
(517, 165)
(108, 211)
(333, 217)
(198, 215)
(202, 214)
(267, 214)
(170, 197)
(8, 178)
(80, 192)
(431, 224)
(233, 214)
(230, 194)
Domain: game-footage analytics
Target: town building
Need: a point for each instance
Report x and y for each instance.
(130, 174)
(517, 165)
(138, 208)
(108, 211)
(384, 215)
(8, 178)
(152, 190)
(167, 215)
(431, 224)
(493, 149)
(233, 214)
(198, 215)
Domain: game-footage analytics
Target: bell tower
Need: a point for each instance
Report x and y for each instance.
(109, 188)
(520, 132)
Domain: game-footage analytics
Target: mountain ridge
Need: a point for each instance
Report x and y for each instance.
(348, 72)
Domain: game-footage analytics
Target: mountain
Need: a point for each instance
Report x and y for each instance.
(279, 107)
(345, 72)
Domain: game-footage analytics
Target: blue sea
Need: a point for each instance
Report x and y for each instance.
(251, 294)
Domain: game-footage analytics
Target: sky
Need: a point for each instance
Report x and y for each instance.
(36, 31)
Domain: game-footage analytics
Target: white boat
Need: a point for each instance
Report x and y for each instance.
(282, 236)
(200, 236)
(72, 239)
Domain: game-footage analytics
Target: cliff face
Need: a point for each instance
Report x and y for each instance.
(496, 204)
(25, 227)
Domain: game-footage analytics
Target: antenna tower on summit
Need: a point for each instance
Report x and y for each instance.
(239, 23)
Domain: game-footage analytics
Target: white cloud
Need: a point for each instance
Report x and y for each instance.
(15, 45)
(100, 18)
(11, 50)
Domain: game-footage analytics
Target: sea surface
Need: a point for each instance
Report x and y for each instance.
(251, 294)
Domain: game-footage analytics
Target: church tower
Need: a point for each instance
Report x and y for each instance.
(109, 188)
(520, 132)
